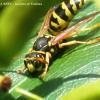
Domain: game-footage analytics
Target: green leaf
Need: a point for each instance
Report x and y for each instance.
(73, 67)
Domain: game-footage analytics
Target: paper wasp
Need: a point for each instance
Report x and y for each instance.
(56, 22)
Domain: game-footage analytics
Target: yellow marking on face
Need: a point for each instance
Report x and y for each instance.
(74, 7)
(67, 11)
(31, 67)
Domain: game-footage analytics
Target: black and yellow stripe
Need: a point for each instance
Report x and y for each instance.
(62, 15)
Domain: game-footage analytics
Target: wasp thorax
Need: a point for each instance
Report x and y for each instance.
(41, 44)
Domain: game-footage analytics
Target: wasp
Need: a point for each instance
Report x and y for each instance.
(5, 83)
(56, 22)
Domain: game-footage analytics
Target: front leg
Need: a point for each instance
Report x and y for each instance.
(21, 70)
(48, 56)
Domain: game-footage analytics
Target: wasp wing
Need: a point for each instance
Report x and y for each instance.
(45, 24)
(74, 30)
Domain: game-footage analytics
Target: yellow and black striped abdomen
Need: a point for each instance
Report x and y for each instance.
(62, 15)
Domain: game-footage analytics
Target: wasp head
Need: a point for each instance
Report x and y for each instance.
(34, 62)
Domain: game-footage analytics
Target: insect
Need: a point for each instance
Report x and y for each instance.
(46, 46)
(5, 83)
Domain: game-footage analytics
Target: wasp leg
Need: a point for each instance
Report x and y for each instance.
(90, 28)
(48, 56)
(79, 42)
(21, 70)
(45, 24)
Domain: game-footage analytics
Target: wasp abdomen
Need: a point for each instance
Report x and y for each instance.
(63, 13)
